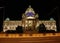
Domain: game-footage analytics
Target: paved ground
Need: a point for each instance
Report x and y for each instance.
(45, 39)
(31, 40)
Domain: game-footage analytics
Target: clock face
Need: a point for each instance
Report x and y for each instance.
(30, 14)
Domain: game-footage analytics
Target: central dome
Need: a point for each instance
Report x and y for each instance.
(29, 10)
(30, 13)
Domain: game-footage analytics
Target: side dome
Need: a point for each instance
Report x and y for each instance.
(7, 19)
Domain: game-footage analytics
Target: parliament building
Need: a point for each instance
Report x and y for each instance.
(29, 22)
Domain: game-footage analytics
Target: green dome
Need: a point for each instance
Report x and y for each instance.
(7, 19)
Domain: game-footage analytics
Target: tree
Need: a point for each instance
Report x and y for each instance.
(19, 29)
(42, 28)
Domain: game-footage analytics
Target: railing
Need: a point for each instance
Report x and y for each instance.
(28, 35)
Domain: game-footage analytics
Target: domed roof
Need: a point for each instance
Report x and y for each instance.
(29, 9)
(51, 18)
(7, 19)
(29, 13)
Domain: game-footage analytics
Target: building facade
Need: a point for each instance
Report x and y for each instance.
(29, 21)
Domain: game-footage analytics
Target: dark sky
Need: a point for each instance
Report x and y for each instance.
(14, 9)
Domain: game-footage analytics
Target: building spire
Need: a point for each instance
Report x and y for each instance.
(29, 6)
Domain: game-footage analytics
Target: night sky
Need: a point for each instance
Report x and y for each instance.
(14, 9)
